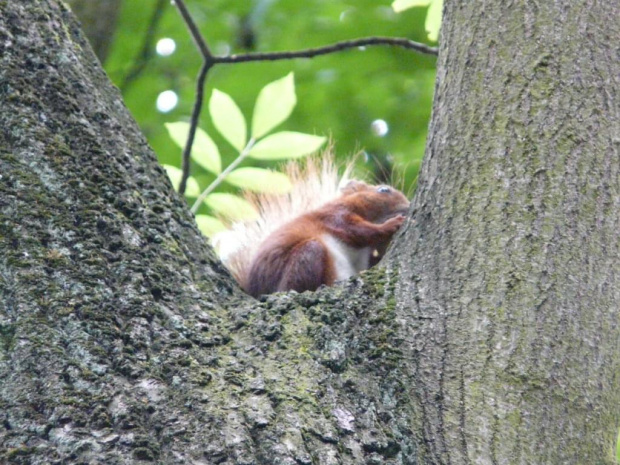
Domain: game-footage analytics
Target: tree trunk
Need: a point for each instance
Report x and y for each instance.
(514, 268)
(491, 336)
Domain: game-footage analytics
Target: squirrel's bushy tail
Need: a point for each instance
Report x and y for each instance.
(315, 182)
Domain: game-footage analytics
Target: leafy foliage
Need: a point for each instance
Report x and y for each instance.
(174, 173)
(286, 144)
(209, 225)
(228, 119)
(433, 17)
(204, 151)
(340, 94)
(231, 206)
(274, 105)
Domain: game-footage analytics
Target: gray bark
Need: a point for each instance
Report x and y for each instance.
(515, 258)
(491, 336)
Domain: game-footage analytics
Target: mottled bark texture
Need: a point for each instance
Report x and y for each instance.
(514, 269)
(491, 337)
(98, 18)
(122, 339)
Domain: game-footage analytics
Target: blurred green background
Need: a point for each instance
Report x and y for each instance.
(339, 95)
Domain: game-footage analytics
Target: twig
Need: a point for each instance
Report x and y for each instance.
(211, 60)
(337, 47)
(146, 52)
(200, 85)
(244, 153)
(193, 29)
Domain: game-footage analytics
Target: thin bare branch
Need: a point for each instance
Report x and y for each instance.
(193, 29)
(337, 47)
(200, 85)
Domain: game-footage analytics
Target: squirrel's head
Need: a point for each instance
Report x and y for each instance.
(375, 203)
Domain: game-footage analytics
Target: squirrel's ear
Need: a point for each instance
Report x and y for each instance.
(353, 186)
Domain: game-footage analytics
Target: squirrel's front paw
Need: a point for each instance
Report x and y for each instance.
(392, 225)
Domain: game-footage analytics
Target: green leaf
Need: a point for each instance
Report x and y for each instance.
(274, 104)
(433, 15)
(228, 119)
(260, 180)
(433, 20)
(204, 151)
(231, 206)
(286, 144)
(208, 225)
(192, 189)
(402, 5)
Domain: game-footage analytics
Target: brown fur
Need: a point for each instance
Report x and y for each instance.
(315, 183)
(284, 249)
(295, 256)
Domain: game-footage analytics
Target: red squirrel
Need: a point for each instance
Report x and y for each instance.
(330, 243)
(318, 233)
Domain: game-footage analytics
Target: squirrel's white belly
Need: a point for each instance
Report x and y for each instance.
(347, 260)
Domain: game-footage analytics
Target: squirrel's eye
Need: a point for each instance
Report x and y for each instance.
(383, 189)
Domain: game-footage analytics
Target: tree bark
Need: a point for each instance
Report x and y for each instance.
(514, 267)
(491, 334)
